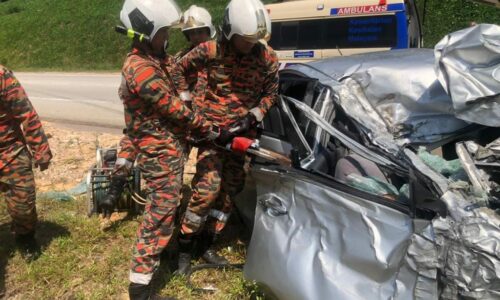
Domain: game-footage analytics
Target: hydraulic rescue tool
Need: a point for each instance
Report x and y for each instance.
(252, 147)
(98, 181)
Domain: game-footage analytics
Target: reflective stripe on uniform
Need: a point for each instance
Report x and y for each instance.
(219, 215)
(257, 113)
(194, 218)
(140, 278)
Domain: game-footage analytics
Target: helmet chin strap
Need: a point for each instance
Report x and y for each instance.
(165, 46)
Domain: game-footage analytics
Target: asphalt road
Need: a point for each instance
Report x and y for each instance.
(84, 99)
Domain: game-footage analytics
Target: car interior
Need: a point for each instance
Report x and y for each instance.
(287, 130)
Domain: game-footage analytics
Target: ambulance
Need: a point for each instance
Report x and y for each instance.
(308, 30)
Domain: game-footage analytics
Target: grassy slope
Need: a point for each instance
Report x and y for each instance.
(71, 35)
(79, 35)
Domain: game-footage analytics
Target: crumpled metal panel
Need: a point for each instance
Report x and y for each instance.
(397, 89)
(468, 66)
(469, 250)
(467, 241)
(421, 258)
(313, 242)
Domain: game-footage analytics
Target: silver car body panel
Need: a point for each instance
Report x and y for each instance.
(312, 241)
(468, 66)
(398, 91)
(315, 238)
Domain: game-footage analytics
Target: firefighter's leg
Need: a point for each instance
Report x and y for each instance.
(206, 187)
(163, 177)
(233, 180)
(19, 185)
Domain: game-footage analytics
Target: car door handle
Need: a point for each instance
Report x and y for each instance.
(273, 206)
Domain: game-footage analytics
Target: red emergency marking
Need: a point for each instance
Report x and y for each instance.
(361, 10)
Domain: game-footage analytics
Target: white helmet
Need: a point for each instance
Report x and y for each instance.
(267, 38)
(197, 17)
(149, 16)
(248, 18)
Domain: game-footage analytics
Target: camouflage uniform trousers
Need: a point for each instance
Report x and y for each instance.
(125, 158)
(17, 183)
(163, 175)
(220, 175)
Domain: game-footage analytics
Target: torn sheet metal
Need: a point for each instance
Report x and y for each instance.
(480, 184)
(312, 241)
(421, 258)
(469, 249)
(467, 241)
(490, 152)
(467, 63)
(348, 142)
(393, 94)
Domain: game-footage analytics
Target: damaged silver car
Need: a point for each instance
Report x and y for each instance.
(368, 209)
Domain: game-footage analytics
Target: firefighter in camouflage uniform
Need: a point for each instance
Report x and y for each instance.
(242, 87)
(157, 121)
(22, 143)
(198, 28)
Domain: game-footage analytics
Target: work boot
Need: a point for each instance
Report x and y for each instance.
(116, 187)
(211, 256)
(138, 291)
(28, 246)
(185, 250)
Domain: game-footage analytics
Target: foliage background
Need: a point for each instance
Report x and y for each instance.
(79, 35)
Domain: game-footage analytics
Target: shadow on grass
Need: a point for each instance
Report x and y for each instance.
(46, 232)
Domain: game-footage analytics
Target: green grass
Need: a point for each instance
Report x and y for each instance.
(81, 261)
(72, 35)
(79, 35)
(443, 17)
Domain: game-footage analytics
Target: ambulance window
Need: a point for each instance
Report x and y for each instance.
(361, 32)
(350, 32)
(289, 35)
(310, 36)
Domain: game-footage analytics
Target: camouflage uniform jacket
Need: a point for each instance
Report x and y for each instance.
(19, 123)
(196, 80)
(237, 84)
(153, 111)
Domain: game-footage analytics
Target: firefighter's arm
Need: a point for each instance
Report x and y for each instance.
(270, 88)
(151, 87)
(25, 115)
(195, 60)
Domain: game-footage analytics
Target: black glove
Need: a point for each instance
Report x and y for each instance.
(243, 125)
(43, 166)
(225, 136)
(215, 134)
